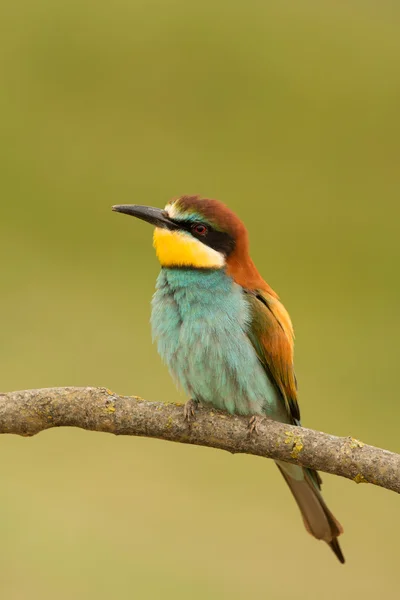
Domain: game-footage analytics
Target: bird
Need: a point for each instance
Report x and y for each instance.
(224, 334)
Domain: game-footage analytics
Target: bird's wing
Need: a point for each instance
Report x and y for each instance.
(271, 334)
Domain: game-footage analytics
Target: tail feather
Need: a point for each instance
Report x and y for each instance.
(334, 544)
(318, 519)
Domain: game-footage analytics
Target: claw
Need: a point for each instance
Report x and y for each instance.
(189, 410)
(254, 424)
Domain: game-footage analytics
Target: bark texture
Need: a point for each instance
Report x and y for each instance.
(28, 412)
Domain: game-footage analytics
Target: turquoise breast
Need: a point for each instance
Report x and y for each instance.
(200, 320)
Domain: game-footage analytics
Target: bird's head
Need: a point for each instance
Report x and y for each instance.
(199, 233)
(193, 232)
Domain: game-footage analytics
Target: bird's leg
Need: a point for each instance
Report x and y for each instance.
(254, 424)
(189, 410)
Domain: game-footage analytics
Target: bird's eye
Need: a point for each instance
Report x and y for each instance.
(200, 229)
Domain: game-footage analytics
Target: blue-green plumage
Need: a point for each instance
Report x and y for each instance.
(201, 320)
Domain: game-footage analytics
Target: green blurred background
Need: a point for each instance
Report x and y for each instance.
(287, 111)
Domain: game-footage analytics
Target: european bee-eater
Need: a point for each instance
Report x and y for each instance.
(223, 332)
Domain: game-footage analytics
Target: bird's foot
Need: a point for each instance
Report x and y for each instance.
(254, 424)
(189, 410)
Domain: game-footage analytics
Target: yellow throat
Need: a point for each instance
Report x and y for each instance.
(180, 249)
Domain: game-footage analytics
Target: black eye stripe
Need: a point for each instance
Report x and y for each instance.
(218, 240)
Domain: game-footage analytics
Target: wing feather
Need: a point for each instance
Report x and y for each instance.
(271, 334)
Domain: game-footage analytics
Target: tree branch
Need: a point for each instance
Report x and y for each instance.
(28, 412)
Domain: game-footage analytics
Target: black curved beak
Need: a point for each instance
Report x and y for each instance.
(154, 216)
